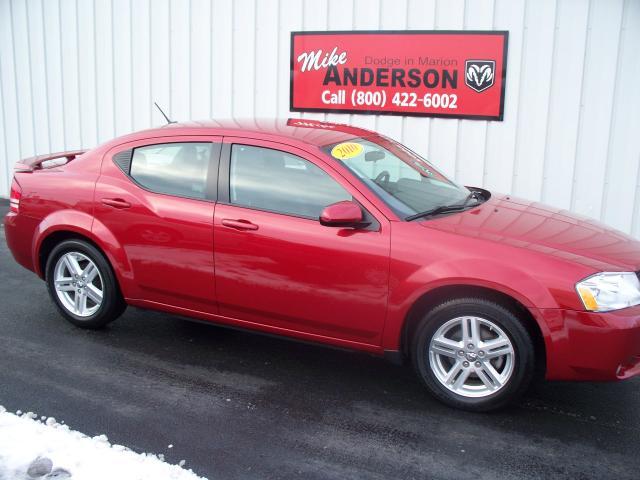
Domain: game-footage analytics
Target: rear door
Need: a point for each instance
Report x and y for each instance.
(277, 266)
(157, 198)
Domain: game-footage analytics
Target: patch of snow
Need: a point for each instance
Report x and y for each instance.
(32, 448)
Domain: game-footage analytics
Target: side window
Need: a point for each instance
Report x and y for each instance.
(173, 168)
(273, 180)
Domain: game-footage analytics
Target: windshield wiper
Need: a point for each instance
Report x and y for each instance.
(436, 211)
(456, 207)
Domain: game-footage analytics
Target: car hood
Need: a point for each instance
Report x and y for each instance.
(541, 228)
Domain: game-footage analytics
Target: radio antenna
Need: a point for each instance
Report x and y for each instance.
(163, 114)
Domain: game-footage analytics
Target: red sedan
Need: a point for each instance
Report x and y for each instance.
(332, 234)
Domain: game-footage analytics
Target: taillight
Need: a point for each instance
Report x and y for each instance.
(14, 198)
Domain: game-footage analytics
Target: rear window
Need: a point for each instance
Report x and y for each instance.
(173, 168)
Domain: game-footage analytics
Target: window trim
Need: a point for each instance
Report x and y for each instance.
(224, 178)
(211, 182)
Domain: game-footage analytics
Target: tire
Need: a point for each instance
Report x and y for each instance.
(477, 376)
(73, 257)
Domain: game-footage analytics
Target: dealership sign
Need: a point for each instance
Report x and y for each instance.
(459, 74)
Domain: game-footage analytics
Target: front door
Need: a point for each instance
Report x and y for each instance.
(275, 263)
(157, 199)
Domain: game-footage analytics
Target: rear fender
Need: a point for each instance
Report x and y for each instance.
(84, 225)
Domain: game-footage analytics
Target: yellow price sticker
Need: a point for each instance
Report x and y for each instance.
(347, 150)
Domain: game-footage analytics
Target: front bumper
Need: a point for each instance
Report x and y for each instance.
(592, 346)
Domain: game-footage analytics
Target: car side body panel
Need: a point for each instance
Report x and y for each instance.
(166, 241)
(298, 274)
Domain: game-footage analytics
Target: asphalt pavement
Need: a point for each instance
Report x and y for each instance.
(240, 405)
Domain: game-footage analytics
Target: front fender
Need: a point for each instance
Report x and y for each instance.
(496, 275)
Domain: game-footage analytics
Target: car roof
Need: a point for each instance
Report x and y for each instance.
(303, 130)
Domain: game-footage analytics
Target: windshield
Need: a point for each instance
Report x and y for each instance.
(401, 178)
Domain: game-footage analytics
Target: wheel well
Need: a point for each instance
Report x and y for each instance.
(49, 243)
(436, 296)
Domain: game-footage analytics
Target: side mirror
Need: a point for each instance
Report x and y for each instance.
(346, 214)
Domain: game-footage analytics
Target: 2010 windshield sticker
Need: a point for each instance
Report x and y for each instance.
(347, 150)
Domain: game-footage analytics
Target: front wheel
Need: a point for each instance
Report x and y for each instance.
(473, 354)
(82, 285)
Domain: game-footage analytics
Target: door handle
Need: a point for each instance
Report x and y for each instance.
(116, 202)
(239, 224)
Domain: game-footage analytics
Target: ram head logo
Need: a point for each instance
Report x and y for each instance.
(479, 74)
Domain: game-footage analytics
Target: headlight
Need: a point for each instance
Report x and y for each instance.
(609, 291)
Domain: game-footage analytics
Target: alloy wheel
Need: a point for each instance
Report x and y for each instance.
(471, 356)
(78, 284)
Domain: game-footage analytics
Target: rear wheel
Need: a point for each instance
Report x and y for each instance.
(82, 285)
(473, 354)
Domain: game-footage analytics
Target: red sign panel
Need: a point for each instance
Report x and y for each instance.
(459, 74)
